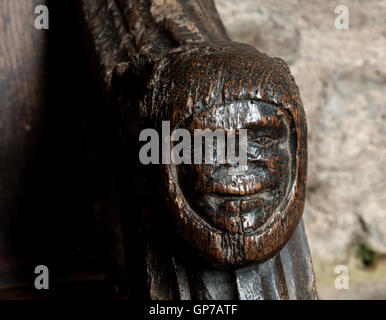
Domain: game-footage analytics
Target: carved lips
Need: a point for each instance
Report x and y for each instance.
(234, 202)
(236, 185)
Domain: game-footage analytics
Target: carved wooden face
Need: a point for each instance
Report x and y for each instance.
(233, 215)
(245, 212)
(240, 199)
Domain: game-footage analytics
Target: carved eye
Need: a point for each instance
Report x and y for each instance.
(262, 141)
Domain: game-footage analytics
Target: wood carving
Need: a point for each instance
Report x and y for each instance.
(241, 226)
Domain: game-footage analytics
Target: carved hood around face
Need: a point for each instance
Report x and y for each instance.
(192, 82)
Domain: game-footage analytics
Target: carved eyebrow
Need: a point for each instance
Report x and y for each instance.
(244, 113)
(269, 122)
(265, 121)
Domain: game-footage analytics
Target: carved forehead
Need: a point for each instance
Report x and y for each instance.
(239, 114)
(190, 81)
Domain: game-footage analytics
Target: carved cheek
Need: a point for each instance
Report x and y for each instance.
(276, 166)
(202, 177)
(196, 179)
(277, 171)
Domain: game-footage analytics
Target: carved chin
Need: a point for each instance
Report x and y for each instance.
(232, 249)
(237, 214)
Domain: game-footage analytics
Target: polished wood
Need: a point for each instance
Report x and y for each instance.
(22, 107)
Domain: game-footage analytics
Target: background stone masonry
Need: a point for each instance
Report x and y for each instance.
(342, 79)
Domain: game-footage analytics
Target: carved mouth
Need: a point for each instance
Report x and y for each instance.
(243, 197)
(238, 204)
(236, 186)
(238, 213)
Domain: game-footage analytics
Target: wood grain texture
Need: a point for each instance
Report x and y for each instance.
(22, 102)
(57, 202)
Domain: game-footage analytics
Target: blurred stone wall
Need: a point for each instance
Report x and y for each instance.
(342, 79)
